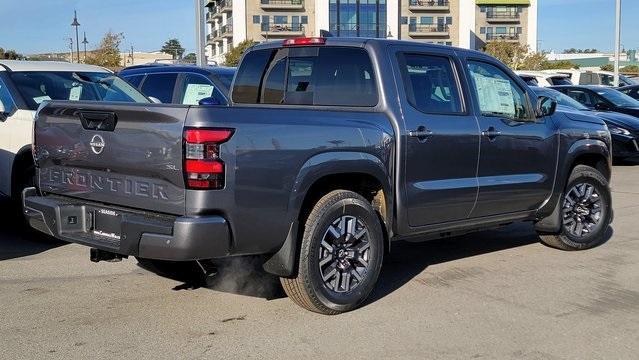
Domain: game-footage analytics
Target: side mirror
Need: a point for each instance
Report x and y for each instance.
(209, 101)
(602, 106)
(154, 100)
(546, 106)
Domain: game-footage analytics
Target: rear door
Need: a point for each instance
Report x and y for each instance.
(518, 151)
(113, 153)
(441, 141)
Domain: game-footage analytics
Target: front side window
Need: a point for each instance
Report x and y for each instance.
(197, 87)
(430, 83)
(38, 86)
(134, 80)
(160, 86)
(498, 94)
(617, 98)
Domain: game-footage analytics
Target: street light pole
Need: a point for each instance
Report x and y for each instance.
(200, 33)
(617, 40)
(76, 24)
(85, 42)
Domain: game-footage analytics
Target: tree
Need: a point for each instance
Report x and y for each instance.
(10, 55)
(190, 57)
(233, 57)
(561, 64)
(516, 56)
(108, 53)
(607, 67)
(173, 48)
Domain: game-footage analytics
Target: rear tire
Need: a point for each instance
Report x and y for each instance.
(340, 257)
(585, 211)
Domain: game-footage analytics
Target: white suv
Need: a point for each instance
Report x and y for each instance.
(594, 77)
(24, 85)
(543, 79)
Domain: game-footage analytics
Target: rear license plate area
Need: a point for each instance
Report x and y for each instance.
(107, 223)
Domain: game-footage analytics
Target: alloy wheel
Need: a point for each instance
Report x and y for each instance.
(582, 210)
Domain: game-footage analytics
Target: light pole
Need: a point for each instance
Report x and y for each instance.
(76, 24)
(617, 41)
(200, 33)
(85, 42)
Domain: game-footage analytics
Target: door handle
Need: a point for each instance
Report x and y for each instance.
(491, 133)
(421, 133)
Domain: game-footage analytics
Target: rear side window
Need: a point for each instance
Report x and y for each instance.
(5, 98)
(196, 87)
(430, 83)
(307, 76)
(581, 96)
(160, 86)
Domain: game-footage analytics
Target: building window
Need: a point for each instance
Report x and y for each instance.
(365, 18)
(426, 20)
(482, 8)
(482, 30)
(277, 19)
(449, 43)
(404, 20)
(304, 19)
(449, 20)
(256, 19)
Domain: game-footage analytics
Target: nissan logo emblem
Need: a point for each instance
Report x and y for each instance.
(97, 144)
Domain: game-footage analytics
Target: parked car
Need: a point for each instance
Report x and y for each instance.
(593, 77)
(632, 91)
(181, 84)
(544, 79)
(25, 85)
(602, 98)
(331, 149)
(623, 128)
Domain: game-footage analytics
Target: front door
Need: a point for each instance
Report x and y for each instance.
(441, 142)
(518, 151)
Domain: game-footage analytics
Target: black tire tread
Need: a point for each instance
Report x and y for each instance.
(299, 289)
(560, 241)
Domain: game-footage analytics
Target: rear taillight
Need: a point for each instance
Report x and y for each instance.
(203, 167)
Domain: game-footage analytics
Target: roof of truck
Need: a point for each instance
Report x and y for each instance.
(361, 42)
(21, 65)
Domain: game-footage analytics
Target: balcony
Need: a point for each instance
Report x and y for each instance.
(429, 5)
(226, 31)
(428, 30)
(282, 30)
(282, 4)
(226, 6)
(502, 17)
(210, 17)
(503, 37)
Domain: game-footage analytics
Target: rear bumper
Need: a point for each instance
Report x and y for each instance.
(146, 235)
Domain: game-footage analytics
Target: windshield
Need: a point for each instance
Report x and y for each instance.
(560, 98)
(38, 86)
(617, 98)
(560, 80)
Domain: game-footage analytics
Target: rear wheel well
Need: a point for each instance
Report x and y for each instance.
(364, 184)
(596, 161)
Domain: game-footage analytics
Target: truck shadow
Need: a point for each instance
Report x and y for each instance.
(17, 239)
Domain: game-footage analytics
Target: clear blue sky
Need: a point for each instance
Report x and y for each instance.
(35, 26)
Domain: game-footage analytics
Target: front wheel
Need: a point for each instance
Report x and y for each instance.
(586, 211)
(341, 255)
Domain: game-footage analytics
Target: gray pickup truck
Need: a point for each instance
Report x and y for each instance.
(330, 150)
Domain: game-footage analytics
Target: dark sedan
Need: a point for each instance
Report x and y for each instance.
(601, 98)
(623, 128)
(632, 91)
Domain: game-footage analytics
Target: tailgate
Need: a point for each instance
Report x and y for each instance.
(114, 153)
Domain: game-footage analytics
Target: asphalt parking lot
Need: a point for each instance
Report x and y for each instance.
(495, 294)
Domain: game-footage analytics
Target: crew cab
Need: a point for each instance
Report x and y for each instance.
(24, 85)
(330, 150)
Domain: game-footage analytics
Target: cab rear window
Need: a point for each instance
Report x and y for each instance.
(307, 76)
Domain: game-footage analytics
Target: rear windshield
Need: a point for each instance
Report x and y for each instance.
(560, 80)
(307, 76)
(38, 86)
(617, 98)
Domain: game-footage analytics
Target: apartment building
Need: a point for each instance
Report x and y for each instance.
(462, 23)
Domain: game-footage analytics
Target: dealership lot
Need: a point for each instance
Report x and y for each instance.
(495, 294)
